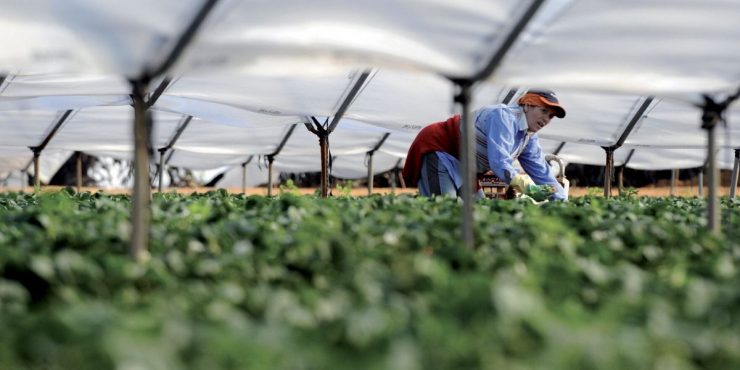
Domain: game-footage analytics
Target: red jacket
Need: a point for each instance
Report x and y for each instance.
(438, 137)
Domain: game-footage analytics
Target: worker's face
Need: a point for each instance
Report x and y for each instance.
(538, 117)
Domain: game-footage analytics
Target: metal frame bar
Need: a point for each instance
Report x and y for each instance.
(609, 170)
(509, 95)
(349, 99)
(513, 35)
(158, 92)
(369, 162)
(633, 122)
(47, 139)
(168, 148)
(185, 39)
(271, 157)
(559, 148)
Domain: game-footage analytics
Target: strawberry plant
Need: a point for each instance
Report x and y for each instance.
(252, 282)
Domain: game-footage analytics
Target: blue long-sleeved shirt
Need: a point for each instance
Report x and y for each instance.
(501, 133)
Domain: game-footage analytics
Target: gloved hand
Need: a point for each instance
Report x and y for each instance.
(525, 185)
(540, 192)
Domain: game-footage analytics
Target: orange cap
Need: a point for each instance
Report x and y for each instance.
(543, 98)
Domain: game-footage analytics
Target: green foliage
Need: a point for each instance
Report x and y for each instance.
(250, 282)
(594, 192)
(629, 192)
(289, 187)
(345, 189)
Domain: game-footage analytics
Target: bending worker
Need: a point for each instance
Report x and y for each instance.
(503, 134)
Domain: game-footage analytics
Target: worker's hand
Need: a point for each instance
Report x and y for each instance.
(521, 183)
(525, 185)
(540, 192)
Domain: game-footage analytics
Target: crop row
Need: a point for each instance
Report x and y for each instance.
(237, 282)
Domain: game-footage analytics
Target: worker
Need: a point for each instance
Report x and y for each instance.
(503, 134)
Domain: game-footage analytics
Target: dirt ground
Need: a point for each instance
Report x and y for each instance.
(685, 191)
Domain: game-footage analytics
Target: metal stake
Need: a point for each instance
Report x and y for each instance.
(370, 173)
(394, 176)
(370, 153)
(244, 174)
(735, 172)
(467, 159)
(161, 168)
(674, 178)
(608, 171)
(141, 196)
(78, 170)
(270, 159)
(324, 147)
(36, 178)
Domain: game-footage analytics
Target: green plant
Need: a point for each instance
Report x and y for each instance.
(629, 192)
(594, 192)
(345, 189)
(252, 282)
(289, 187)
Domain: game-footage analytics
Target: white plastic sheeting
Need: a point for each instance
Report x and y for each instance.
(665, 47)
(90, 36)
(449, 37)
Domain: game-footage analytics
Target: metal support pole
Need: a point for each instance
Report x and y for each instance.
(141, 196)
(78, 170)
(467, 159)
(735, 173)
(713, 216)
(369, 158)
(608, 171)
(36, 178)
(674, 178)
(712, 115)
(700, 182)
(324, 147)
(53, 129)
(621, 171)
(270, 159)
(394, 176)
(244, 174)
(370, 173)
(244, 178)
(161, 168)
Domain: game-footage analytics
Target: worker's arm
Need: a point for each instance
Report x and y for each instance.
(500, 140)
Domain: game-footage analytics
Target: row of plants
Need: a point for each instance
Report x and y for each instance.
(249, 282)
